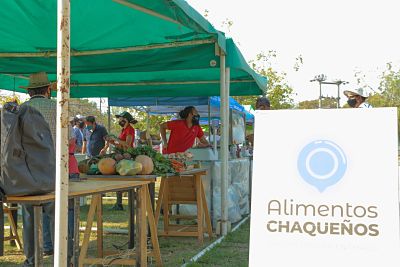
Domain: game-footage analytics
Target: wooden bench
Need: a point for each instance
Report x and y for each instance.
(8, 210)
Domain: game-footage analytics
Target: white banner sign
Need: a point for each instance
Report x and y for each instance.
(325, 189)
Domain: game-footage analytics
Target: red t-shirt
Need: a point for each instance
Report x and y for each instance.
(72, 162)
(182, 137)
(127, 131)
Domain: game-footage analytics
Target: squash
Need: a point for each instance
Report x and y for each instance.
(147, 164)
(128, 167)
(107, 166)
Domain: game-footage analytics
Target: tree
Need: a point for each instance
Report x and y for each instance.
(389, 91)
(278, 91)
(9, 98)
(327, 102)
(141, 117)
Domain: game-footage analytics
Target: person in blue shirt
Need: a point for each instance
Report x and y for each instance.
(94, 136)
(78, 126)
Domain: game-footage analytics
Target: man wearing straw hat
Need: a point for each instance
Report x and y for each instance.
(357, 98)
(39, 90)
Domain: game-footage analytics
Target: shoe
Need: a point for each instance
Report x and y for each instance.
(48, 252)
(117, 207)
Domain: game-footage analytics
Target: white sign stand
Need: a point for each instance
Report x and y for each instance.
(325, 189)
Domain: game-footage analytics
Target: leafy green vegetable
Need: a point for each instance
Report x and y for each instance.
(162, 165)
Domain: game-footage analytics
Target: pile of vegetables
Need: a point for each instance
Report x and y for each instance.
(143, 160)
(162, 165)
(181, 161)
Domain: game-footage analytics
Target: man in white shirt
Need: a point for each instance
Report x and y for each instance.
(357, 98)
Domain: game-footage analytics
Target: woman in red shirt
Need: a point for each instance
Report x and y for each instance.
(127, 136)
(183, 132)
(125, 140)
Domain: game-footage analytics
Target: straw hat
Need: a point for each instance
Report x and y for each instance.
(358, 91)
(37, 80)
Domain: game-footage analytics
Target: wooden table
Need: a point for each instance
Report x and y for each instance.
(201, 205)
(131, 196)
(184, 188)
(96, 189)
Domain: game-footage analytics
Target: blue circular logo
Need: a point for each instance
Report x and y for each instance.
(322, 163)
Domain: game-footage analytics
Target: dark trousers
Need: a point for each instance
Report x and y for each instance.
(28, 229)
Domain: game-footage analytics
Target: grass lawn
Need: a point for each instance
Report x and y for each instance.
(232, 251)
(174, 250)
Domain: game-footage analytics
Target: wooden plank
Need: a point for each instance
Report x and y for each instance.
(174, 233)
(130, 177)
(99, 217)
(88, 230)
(183, 217)
(201, 171)
(177, 187)
(180, 228)
(182, 202)
(101, 261)
(121, 178)
(141, 247)
(153, 230)
(182, 196)
(82, 188)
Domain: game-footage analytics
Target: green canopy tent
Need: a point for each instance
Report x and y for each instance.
(118, 48)
(158, 79)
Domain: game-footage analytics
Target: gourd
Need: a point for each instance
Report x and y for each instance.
(147, 164)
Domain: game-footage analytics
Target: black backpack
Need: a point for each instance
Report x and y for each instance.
(26, 151)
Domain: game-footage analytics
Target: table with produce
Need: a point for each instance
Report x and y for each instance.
(141, 163)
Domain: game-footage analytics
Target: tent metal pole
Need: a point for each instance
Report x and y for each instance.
(155, 83)
(63, 90)
(108, 116)
(224, 144)
(147, 11)
(110, 51)
(209, 120)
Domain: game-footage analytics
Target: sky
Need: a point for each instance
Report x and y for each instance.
(337, 38)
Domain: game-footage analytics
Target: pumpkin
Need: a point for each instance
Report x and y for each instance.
(128, 167)
(147, 164)
(107, 166)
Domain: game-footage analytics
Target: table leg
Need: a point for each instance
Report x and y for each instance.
(152, 191)
(206, 213)
(131, 222)
(77, 207)
(166, 208)
(37, 211)
(200, 214)
(88, 230)
(177, 213)
(159, 200)
(15, 218)
(1, 229)
(153, 232)
(141, 248)
(99, 216)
